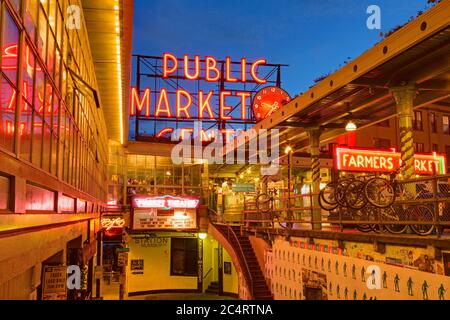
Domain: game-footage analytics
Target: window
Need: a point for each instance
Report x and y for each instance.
(433, 123)
(418, 147)
(7, 114)
(435, 147)
(384, 123)
(5, 191)
(417, 120)
(10, 38)
(39, 199)
(183, 257)
(445, 124)
(381, 143)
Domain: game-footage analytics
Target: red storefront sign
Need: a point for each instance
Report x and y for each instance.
(373, 160)
(112, 225)
(164, 202)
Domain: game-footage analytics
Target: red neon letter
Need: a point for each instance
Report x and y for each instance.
(183, 109)
(196, 67)
(164, 131)
(140, 104)
(211, 65)
(243, 96)
(166, 69)
(228, 76)
(166, 110)
(253, 70)
(223, 107)
(243, 70)
(203, 103)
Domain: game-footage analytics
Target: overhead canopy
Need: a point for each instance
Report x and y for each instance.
(418, 53)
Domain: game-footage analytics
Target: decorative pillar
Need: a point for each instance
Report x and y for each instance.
(314, 141)
(404, 97)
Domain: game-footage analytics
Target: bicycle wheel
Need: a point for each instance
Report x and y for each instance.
(340, 191)
(421, 213)
(326, 206)
(361, 215)
(263, 203)
(374, 214)
(379, 192)
(354, 195)
(397, 214)
(327, 194)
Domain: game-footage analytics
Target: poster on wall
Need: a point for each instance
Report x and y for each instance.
(164, 213)
(314, 285)
(55, 283)
(137, 266)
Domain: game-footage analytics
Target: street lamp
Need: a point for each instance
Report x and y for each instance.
(351, 126)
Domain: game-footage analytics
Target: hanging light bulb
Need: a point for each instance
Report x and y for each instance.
(351, 126)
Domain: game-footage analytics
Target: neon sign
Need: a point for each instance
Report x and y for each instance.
(366, 160)
(113, 223)
(165, 202)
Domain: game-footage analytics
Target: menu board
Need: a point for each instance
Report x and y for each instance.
(153, 219)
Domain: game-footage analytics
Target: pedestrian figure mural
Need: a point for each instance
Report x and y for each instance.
(441, 292)
(345, 269)
(384, 280)
(338, 292)
(354, 272)
(410, 286)
(355, 295)
(323, 265)
(425, 290)
(396, 283)
(337, 268)
(346, 293)
(363, 274)
(329, 265)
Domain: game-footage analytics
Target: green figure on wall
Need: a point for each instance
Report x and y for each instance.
(410, 286)
(425, 290)
(396, 283)
(329, 265)
(345, 269)
(346, 293)
(337, 267)
(364, 296)
(363, 274)
(353, 272)
(355, 295)
(315, 263)
(441, 292)
(323, 265)
(303, 259)
(338, 292)
(384, 280)
(309, 261)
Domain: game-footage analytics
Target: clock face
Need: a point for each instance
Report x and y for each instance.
(268, 100)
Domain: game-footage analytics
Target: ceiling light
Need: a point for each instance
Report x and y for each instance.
(288, 149)
(351, 126)
(202, 235)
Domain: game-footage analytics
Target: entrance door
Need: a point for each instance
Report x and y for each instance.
(313, 293)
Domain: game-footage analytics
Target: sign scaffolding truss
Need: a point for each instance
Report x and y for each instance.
(219, 93)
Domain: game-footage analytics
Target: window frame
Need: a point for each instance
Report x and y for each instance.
(188, 254)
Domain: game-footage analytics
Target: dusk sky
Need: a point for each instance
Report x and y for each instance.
(313, 37)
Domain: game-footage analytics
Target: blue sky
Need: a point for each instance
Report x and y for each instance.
(313, 36)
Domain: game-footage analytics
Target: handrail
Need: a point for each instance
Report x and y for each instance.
(241, 251)
(249, 275)
(206, 275)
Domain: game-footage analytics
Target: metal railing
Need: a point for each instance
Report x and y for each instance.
(421, 205)
(232, 238)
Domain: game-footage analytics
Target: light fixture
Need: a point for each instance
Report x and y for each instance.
(202, 235)
(288, 149)
(168, 173)
(241, 176)
(249, 170)
(256, 179)
(351, 126)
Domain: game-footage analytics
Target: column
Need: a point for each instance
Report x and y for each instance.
(314, 141)
(404, 97)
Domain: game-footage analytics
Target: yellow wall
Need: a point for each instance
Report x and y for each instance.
(230, 281)
(156, 269)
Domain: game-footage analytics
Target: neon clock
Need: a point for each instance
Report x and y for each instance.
(268, 100)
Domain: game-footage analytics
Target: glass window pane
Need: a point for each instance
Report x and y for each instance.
(7, 114)
(46, 149)
(30, 17)
(39, 96)
(25, 135)
(37, 139)
(10, 38)
(42, 34)
(28, 66)
(4, 192)
(39, 199)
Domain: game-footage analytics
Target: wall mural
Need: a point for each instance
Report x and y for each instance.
(356, 272)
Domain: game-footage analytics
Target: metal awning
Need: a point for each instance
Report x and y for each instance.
(418, 53)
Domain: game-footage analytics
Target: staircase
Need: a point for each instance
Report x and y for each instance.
(213, 288)
(247, 258)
